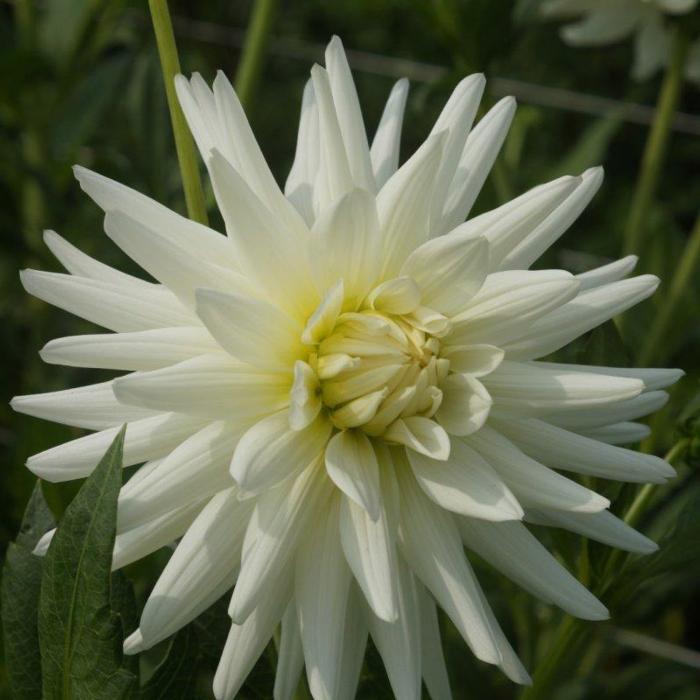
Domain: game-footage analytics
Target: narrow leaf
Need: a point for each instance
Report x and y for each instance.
(80, 636)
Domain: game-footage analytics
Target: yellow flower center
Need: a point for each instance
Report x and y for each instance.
(375, 367)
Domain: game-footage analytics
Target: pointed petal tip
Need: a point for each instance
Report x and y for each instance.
(133, 644)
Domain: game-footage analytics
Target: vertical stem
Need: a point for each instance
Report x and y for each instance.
(184, 145)
(254, 50)
(657, 141)
(687, 265)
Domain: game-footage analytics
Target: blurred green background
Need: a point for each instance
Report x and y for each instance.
(80, 83)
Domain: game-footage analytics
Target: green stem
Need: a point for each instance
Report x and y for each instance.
(564, 649)
(254, 50)
(568, 639)
(657, 141)
(687, 265)
(184, 145)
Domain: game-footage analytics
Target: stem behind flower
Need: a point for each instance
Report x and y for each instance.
(655, 148)
(184, 145)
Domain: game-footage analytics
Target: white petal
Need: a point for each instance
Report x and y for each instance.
(620, 433)
(480, 151)
(112, 306)
(529, 250)
(430, 543)
(247, 641)
(82, 265)
(93, 407)
(400, 295)
(290, 660)
(170, 263)
(508, 303)
(653, 378)
(299, 187)
(422, 435)
(474, 360)
(271, 255)
(270, 451)
(603, 527)
(612, 272)
(200, 571)
(465, 404)
(345, 245)
(588, 310)
(195, 469)
(217, 121)
(211, 385)
(352, 465)
(347, 107)
(305, 398)
(514, 551)
(369, 547)
(387, 139)
(334, 178)
(354, 644)
(139, 350)
(591, 419)
(398, 642)
(456, 119)
(250, 329)
(607, 24)
(201, 242)
(404, 203)
(531, 482)
(148, 438)
(561, 449)
(132, 545)
(281, 518)
(321, 592)
(528, 388)
(449, 270)
(465, 484)
(507, 225)
(432, 658)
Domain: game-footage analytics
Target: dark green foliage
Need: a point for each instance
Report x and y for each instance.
(21, 584)
(175, 677)
(80, 634)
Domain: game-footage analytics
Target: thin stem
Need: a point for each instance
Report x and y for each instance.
(254, 50)
(565, 647)
(655, 148)
(184, 145)
(671, 301)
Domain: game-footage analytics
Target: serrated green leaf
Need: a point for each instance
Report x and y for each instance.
(21, 583)
(81, 637)
(175, 677)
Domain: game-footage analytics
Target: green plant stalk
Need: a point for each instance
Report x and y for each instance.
(571, 634)
(254, 47)
(184, 145)
(657, 141)
(687, 265)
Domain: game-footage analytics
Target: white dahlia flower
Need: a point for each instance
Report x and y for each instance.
(609, 21)
(337, 398)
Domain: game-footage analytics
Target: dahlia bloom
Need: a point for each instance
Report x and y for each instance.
(609, 21)
(335, 399)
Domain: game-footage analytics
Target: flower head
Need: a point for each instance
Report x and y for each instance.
(337, 397)
(609, 21)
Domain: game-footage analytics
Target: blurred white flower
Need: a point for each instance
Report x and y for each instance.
(363, 364)
(609, 21)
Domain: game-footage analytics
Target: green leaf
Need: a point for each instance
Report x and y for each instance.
(81, 637)
(21, 583)
(175, 677)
